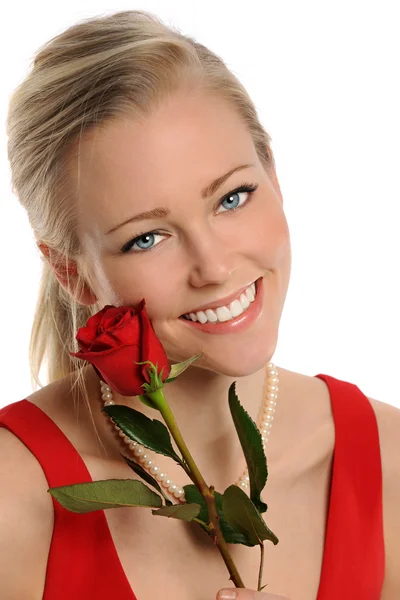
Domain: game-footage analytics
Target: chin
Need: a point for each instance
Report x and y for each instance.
(232, 359)
(237, 364)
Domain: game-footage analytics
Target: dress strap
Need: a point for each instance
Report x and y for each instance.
(58, 458)
(83, 561)
(354, 554)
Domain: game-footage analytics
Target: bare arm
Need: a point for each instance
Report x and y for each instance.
(26, 521)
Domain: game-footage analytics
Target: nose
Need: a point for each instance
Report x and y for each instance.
(211, 259)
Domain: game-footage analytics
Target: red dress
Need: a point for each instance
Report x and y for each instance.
(83, 562)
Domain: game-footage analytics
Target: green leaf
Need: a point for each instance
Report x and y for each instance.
(148, 432)
(138, 469)
(243, 515)
(251, 442)
(108, 493)
(177, 369)
(185, 512)
(231, 535)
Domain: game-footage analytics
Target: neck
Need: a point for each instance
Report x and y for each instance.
(199, 402)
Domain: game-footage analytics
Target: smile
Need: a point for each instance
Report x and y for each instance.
(252, 297)
(221, 314)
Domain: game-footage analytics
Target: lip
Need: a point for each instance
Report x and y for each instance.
(222, 301)
(240, 323)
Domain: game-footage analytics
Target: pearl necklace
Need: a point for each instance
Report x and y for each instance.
(147, 460)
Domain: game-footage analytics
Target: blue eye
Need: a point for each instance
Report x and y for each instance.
(232, 198)
(147, 238)
(145, 241)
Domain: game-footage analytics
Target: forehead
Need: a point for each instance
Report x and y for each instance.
(189, 140)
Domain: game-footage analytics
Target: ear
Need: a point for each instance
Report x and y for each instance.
(68, 277)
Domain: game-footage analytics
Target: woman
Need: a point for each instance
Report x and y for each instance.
(146, 173)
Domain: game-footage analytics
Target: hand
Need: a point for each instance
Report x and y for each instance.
(245, 594)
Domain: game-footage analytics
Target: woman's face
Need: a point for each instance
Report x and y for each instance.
(197, 247)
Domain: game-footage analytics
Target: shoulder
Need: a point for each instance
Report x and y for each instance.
(64, 403)
(388, 420)
(26, 520)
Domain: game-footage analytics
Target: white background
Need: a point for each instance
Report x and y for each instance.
(325, 80)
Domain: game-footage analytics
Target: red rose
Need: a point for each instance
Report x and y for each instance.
(116, 338)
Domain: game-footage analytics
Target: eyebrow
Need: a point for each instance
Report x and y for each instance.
(162, 212)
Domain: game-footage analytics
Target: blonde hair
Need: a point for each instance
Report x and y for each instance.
(95, 71)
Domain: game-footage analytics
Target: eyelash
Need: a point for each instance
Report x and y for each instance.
(245, 187)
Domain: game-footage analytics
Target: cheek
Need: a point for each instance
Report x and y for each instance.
(276, 238)
(264, 235)
(163, 301)
(132, 280)
(160, 285)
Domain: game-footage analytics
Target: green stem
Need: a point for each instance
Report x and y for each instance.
(205, 525)
(207, 492)
(261, 568)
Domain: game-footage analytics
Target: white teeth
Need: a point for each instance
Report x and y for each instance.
(223, 314)
(211, 316)
(250, 294)
(201, 316)
(244, 301)
(235, 308)
(226, 313)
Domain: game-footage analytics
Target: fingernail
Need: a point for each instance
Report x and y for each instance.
(227, 595)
